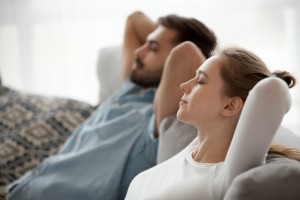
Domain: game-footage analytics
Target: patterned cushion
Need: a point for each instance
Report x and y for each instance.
(32, 128)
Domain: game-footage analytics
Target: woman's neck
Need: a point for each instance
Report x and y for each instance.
(213, 144)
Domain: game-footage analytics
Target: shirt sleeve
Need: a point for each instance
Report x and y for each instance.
(261, 116)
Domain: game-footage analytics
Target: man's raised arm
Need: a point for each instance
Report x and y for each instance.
(138, 26)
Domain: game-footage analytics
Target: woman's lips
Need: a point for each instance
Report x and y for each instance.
(182, 102)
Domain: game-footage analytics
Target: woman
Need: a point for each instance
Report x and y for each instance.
(234, 135)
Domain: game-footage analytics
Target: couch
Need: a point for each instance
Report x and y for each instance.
(33, 127)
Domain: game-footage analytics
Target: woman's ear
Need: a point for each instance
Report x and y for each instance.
(232, 106)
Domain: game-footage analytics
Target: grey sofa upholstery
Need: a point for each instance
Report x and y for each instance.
(276, 180)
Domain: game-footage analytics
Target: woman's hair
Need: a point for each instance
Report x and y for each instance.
(284, 151)
(190, 29)
(240, 71)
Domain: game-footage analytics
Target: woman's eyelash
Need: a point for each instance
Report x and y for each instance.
(152, 48)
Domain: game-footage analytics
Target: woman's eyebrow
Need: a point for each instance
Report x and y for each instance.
(202, 72)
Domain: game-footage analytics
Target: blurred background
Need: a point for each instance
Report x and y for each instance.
(51, 47)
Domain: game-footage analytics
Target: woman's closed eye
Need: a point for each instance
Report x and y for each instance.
(152, 46)
(201, 80)
(201, 77)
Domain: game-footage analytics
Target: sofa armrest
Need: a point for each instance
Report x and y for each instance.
(278, 179)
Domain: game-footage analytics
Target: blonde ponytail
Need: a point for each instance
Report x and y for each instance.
(291, 153)
(286, 76)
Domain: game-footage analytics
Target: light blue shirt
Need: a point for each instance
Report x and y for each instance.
(101, 157)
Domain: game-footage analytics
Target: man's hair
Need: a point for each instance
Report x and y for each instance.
(190, 29)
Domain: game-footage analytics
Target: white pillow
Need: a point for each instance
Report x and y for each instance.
(108, 70)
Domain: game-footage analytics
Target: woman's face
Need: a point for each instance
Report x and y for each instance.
(203, 99)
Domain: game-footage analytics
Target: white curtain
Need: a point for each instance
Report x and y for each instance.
(50, 47)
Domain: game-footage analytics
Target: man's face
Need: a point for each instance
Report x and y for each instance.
(150, 58)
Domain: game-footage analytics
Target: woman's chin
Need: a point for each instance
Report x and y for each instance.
(184, 119)
(180, 116)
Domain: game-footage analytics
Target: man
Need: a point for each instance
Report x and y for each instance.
(118, 141)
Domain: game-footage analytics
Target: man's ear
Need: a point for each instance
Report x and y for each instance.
(232, 106)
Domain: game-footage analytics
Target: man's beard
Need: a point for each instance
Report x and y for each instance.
(146, 79)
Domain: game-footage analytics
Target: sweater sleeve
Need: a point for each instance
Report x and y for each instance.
(261, 116)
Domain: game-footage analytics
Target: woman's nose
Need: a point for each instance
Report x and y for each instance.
(186, 87)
